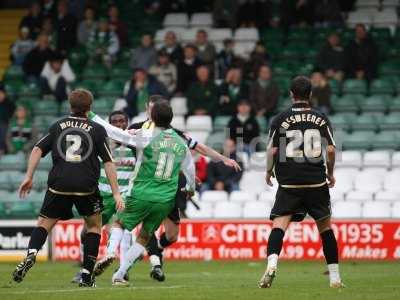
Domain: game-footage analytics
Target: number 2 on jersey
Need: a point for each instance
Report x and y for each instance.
(165, 164)
(70, 153)
(311, 140)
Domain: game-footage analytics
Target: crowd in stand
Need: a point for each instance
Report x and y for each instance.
(246, 88)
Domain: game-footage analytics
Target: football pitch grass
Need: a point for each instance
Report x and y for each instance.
(231, 280)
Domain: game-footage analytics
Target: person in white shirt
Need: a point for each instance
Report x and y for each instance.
(55, 77)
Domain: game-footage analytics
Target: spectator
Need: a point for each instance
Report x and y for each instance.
(103, 44)
(327, 13)
(165, 72)
(49, 8)
(226, 58)
(22, 46)
(222, 177)
(361, 56)
(21, 135)
(187, 68)
(331, 58)
(87, 26)
(172, 47)
(202, 94)
(243, 127)
(201, 166)
(66, 26)
(296, 12)
(139, 89)
(48, 29)
(145, 55)
(118, 26)
(254, 13)
(224, 13)
(35, 60)
(206, 50)
(258, 57)
(33, 20)
(321, 93)
(56, 76)
(264, 92)
(7, 108)
(231, 91)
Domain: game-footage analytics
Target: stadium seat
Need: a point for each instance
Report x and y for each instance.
(221, 123)
(385, 18)
(358, 17)
(95, 72)
(4, 182)
(367, 3)
(345, 179)
(243, 157)
(390, 122)
(375, 103)
(103, 106)
(29, 90)
(179, 106)
(199, 123)
(347, 103)
(216, 140)
(377, 159)
(385, 140)
(14, 179)
(120, 73)
(349, 159)
(178, 122)
(361, 196)
(220, 34)
(390, 4)
(387, 196)
(374, 209)
(40, 180)
(396, 210)
(13, 72)
(354, 86)
(396, 159)
(205, 211)
(176, 20)
(3, 211)
(22, 209)
(256, 209)
(336, 195)
(46, 163)
(243, 48)
(242, 196)
(391, 182)
(340, 121)
(199, 136)
(246, 34)
(267, 196)
(253, 181)
(346, 209)
(358, 140)
(46, 108)
(227, 210)
(201, 19)
(214, 196)
(112, 88)
(258, 161)
(189, 35)
(368, 180)
(381, 86)
(13, 162)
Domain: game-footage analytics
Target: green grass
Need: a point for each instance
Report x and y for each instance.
(231, 280)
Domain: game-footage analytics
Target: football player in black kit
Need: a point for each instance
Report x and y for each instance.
(75, 144)
(294, 155)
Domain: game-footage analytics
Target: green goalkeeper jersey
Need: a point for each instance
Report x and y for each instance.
(158, 166)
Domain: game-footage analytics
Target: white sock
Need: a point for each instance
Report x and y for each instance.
(81, 251)
(273, 261)
(125, 244)
(131, 256)
(34, 251)
(114, 240)
(155, 260)
(334, 275)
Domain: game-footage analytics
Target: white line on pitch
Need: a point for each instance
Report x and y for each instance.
(118, 288)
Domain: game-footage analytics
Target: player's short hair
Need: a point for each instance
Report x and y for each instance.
(301, 88)
(155, 98)
(117, 113)
(162, 114)
(80, 101)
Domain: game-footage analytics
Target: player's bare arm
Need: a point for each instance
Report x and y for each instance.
(111, 174)
(34, 160)
(330, 164)
(207, 151)
(271, 153)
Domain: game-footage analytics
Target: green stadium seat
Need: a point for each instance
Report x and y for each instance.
(113, 88)
(22, 209)
(46, 163)
(381, 86)
(364, 122)
(377, 103)
(43, 123)
(92, 85)
(77, 58)
(13, 162)
(283, 84)
(299, 34)
(3, 211)
(380, 33)
(341, 121)
(4, 182)
(14, 179)
(354, 86)
(103, 105)
(28, 102)
(389, 68)
(394, 104)
(29, 90)
(347, 103)
(335, 87)
(14, 72)
(13, 87)
(40, 180)
(358, 140)
(390, 122)
(95, 72)
(216, 140)
(262, 122)
(282, 69)
(121, 72)
(46, 108)
(283, 104)
(272, 34)
(385, 140)
(221, 123)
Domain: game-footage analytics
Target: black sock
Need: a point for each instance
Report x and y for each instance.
(83, 234)
(38, 238)
(275, 241)
(164, 242)
(91, 244)
(152, 246)
(330, 247)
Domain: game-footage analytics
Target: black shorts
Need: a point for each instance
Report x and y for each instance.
(57, 206)
(175, 215)
(299, 202)
(180, 201)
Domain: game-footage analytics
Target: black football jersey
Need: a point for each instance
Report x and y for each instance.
(76, 145)
(300, 134)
